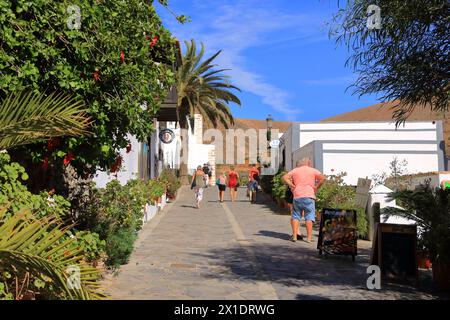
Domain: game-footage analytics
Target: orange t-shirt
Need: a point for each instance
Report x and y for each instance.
(253, 172)
(304, 179)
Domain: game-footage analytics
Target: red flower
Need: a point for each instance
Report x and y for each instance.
(122, 56)
(128, 148)
(44, 164)
(153, 41)
(96, 75)
(69, 157)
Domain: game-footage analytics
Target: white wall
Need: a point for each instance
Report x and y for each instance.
(361, 165)
(365, 148)
(307, 151)
(130, 166)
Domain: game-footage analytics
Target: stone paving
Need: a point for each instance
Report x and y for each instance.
(241, 251)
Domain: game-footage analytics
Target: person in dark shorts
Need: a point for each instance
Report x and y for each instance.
(222, 184)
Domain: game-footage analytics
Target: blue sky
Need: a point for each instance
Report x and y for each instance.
(279, 52)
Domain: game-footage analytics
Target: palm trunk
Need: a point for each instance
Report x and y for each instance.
(184, 151)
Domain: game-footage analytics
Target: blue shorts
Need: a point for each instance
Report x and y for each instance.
(253, 185)
(304, 204)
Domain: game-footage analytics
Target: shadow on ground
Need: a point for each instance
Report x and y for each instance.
(299, 267)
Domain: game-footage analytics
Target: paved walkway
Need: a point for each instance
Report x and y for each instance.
(240, 251)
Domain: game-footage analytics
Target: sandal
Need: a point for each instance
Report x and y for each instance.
(292, 239)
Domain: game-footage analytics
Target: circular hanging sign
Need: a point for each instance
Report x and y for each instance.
(166, 136)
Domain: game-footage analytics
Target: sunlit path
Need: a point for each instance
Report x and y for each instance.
(239, 251)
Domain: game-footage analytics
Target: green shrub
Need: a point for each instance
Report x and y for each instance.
(91, 244)
(170, 181)
(334, 193)
(117, 213)
(119, 246)
(243, 178)
(155, 189)
(14, 192)
(279, 188)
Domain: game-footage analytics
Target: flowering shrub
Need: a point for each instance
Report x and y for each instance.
(117, 62)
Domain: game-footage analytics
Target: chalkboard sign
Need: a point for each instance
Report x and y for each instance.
(394, 250)
(338, 232)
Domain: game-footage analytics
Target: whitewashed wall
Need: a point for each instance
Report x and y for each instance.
(130, 166)
(365, 148)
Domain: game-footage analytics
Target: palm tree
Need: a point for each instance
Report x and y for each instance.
(203, 89)
(28, 117)
(40, 247)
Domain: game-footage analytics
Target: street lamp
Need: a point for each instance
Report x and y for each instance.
(269, 121)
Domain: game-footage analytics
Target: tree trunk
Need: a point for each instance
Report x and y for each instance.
(184, 179)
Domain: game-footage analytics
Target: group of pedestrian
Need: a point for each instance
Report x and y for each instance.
(231, 180)
(202, 178)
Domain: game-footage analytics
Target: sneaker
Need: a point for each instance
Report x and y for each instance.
(292, 239)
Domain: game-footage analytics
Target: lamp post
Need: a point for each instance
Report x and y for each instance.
(269, 121)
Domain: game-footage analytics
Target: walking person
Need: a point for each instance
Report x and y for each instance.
(252, 187)
(233, 183)
(198, 183)
(304, 182)
(222, 185)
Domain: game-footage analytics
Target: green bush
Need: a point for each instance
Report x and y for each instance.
(39, 51)
(170, 181)
(117, 213)
(91, 244)
(279, 188)
(243, 178)
(119, 246)
(334, 193)
(155, 189)
(14, 192)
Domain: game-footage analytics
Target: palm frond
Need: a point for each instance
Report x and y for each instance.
(27, 117)
(38, 246)
(203, 89)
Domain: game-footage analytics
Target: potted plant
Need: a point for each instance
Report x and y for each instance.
(430, 209)
(171, 183)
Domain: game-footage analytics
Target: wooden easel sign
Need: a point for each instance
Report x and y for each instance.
(394, 250)
(338, 232)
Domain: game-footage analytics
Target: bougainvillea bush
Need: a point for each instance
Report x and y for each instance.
(114, 55)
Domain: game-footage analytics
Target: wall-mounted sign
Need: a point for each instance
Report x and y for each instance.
(166, 136)
(275, 143)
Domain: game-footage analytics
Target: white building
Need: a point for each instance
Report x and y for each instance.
(362, 149)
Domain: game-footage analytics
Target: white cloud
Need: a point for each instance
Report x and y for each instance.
(246, 24)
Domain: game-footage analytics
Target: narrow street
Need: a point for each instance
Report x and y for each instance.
(240, 251)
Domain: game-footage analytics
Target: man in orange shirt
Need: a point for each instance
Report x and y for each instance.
(304, 182)
(252, 187)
